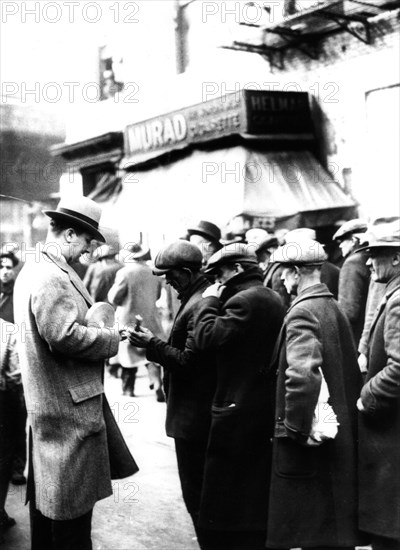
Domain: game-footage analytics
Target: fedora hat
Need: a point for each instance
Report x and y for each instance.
(206, 229)
(139, 252)
(80, 211)
(383, 233)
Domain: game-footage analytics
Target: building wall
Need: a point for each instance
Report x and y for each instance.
(355, 87)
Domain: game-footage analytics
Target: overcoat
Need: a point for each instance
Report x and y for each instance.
(241, 329)
(313, 498)
(189, 374)
(62, 367)
(189, 384)
(354, 281)
(380, 422)
(135, 292)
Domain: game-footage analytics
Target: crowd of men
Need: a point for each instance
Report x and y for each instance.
(281, 377)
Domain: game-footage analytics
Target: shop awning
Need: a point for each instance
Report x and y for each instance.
(290, 187)
(294, 188)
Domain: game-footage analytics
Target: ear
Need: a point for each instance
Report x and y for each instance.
(396, 258)
(69, 234)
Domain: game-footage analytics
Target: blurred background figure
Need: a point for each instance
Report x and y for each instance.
(206, 236)
(9, 263)
(354, 274)
(10, 393)
(100, 275)
(135, 292)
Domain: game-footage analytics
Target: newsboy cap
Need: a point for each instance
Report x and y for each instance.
(80, 211)
(349, 228)
(230, 254)
(304, 252)
(271, 242)
(206, 229)
(299, 234)
(177, 255)
(383, 233)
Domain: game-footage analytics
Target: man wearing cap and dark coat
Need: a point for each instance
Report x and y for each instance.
(189, 374)
(313, 497)
(100, 274)
(238, 321)
(135, 292)
(354, 275)
(62, 363)
(379, 404)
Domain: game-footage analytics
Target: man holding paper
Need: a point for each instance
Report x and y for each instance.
(313, 498)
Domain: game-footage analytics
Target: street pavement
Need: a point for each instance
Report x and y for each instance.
(146, 511)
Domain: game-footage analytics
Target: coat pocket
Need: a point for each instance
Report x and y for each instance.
(88, 408)
(293, 460)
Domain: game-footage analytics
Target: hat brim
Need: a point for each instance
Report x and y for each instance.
(95, 233)
(159, 272)
(194, 231)
(377, 245)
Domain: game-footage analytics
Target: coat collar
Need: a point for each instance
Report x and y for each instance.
(240, 282)
(319, 290)
(61, 263)
(391, 287)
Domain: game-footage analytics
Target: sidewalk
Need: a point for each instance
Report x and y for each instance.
(146, 511)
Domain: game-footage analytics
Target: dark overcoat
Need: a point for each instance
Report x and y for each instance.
(62, 364)
(313, 498)
(241, 330)
(353, 290)
(189, 375)
(380, 422)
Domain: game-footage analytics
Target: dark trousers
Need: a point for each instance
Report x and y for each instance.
(191, 457)
(128, 377)
(232, 540)
(383, 543)
(50, 534)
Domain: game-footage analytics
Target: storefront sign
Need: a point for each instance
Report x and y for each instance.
(258, 113)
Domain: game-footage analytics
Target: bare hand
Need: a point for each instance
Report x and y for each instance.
(139, 338)
(213, 290)
(363, 362)
(360, 406)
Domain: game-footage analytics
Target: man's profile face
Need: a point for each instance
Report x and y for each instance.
(79, 245)
(290, 280)
(383, 264)
(346, 246)
(179, 279)
(224, 273)
(7, 272)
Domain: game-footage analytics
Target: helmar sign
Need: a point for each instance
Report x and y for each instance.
(228, 115)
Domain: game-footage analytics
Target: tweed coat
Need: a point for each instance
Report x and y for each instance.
(62, 369)
(189, 374)
(380, 422)
(135, 292)
(313, 498)
(353, 290)
(241, 330)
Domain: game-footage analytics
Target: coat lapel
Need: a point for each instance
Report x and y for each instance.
(73, 276)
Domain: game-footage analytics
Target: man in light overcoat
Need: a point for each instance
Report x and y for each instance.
(62, 363)
(379, 404)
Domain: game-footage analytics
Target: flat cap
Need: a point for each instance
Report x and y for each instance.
(177, 255)
(303, 252)
(349, 228)
(299, 234)
(383, 233)
(271, 242)
(207, 229)
(232, 253)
